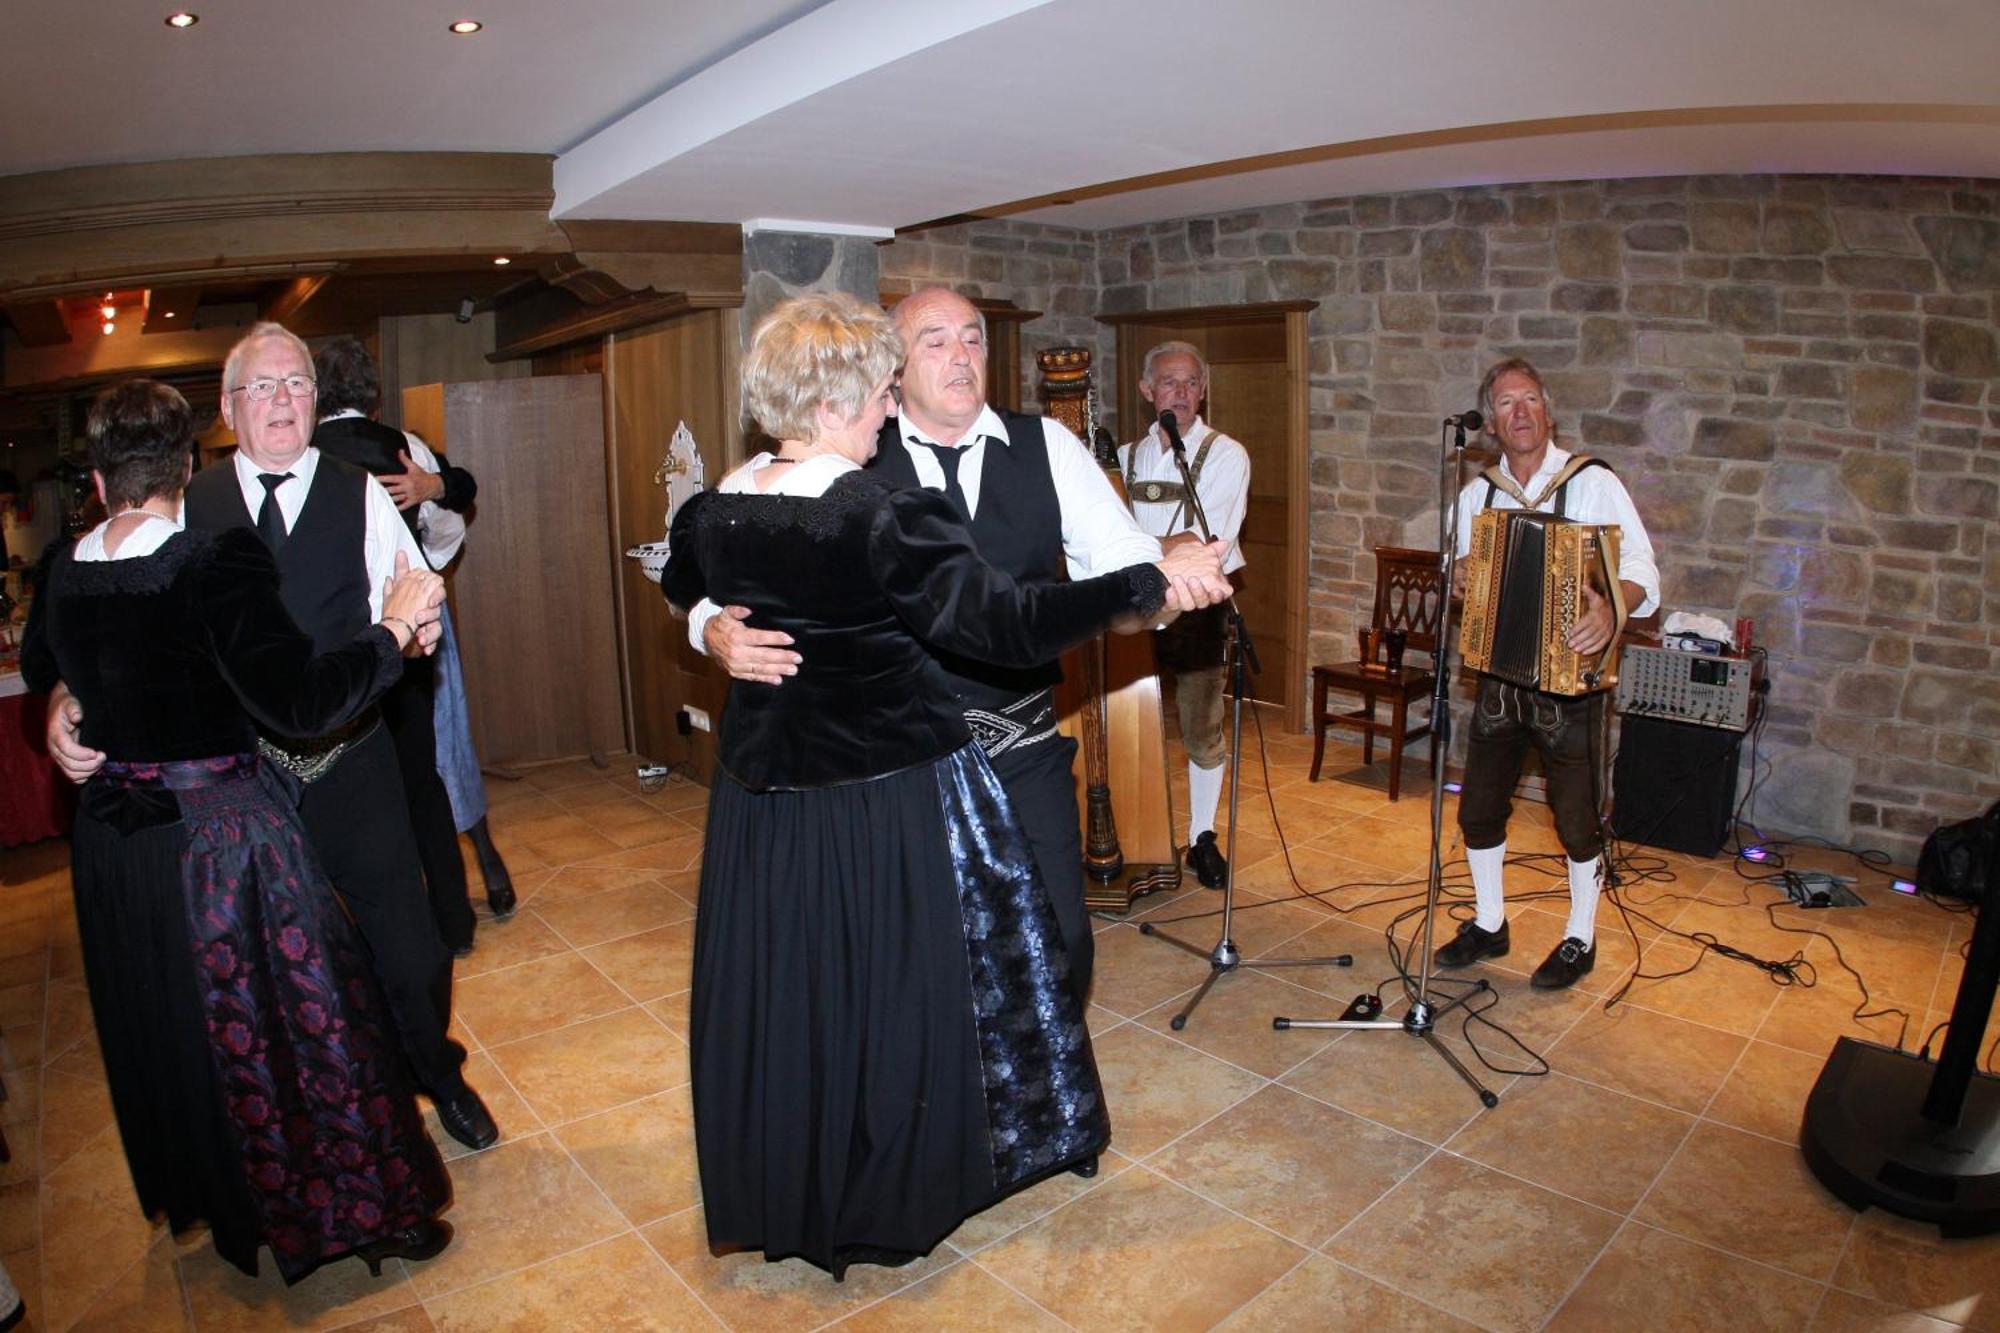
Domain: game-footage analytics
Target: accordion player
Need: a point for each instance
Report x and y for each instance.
(1525, 577)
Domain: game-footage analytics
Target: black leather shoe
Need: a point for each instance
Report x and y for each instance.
(466, 1119)
(1205, 859)
(425, 1240)
(461, 950)
(1570, 960)
(1086, 1168)
(1472, 944)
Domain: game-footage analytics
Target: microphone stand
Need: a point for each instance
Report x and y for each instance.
(1224, 957)
(1420, 1018)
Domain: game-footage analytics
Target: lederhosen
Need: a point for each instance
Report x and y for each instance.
(1558, 727)
(1196, 640)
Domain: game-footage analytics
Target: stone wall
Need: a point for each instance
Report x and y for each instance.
(782, 264)
(1798, 378)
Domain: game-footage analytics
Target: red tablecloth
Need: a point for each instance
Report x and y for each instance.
(35, 800)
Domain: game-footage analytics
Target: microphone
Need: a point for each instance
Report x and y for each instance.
(1466, 420)
(1173, 432)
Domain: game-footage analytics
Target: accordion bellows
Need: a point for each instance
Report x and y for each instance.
(1524, 579)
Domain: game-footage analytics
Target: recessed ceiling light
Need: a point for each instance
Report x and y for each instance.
(108, 311)
(465, 27)
(169, 314)
(502, 260)
(182, 19)
(108, 327)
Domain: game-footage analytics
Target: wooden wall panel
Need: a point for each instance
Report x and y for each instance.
(435, 349)
(534, 588)
(680, 370)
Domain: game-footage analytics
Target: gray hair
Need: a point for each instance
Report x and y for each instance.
(1174, 348)
(259, 331)
(1515, 365)
(823, 347)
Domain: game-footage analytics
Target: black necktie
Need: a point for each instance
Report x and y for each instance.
(947, 458)
(271, 519)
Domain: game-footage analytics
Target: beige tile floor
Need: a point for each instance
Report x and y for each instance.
(1263, 1180)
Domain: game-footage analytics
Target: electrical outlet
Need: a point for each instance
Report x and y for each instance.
(697, 717)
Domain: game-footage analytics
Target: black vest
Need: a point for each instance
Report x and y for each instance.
(1018, 529)
(369, 445)
(323, 565)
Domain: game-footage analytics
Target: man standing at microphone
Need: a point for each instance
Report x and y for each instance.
(1191, 649)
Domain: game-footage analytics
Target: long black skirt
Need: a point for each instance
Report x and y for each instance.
(884, 1038)
(256, 1083)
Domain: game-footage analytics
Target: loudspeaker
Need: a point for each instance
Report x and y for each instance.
(1674, 785)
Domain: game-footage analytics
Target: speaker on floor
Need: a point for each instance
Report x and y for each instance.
(1674, 785)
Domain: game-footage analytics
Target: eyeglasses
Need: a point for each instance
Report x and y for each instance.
(263, 388)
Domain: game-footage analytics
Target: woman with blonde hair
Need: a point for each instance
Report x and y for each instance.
(883, 1036)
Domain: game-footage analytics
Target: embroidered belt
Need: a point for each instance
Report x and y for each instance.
(1027, 721)
(310, 760)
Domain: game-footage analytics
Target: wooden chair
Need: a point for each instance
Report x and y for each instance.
(1408, 597)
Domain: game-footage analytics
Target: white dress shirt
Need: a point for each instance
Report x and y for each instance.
(385, 535)
(1595, 496)
(1224, 486)
(1098, 531)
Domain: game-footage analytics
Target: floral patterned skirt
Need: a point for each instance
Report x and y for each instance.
(253, 1069)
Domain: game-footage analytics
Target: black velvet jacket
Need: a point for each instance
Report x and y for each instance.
(180, 654)
(862, 578)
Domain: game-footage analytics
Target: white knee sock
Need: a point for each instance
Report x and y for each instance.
(1204, 790)
(1487, 864)
(1583, 894)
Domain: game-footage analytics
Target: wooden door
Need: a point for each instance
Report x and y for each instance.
(683, 369)
(1257, 395)
(532, 593)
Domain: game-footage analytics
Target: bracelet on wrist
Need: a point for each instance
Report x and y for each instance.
(407, 626)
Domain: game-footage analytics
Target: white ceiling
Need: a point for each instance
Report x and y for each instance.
(889, 113)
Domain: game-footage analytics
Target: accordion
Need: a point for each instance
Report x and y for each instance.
(1524, 579)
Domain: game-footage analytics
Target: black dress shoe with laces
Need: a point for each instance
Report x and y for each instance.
(1570, 960)
(425, 1240)
(466, 1119)
(1472, 944)
(1205, 859)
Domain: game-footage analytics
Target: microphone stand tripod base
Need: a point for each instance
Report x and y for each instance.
(1224, 958)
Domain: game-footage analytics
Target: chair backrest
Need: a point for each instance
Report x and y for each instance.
(1408, 594)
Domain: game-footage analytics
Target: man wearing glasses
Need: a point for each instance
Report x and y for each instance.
(335, 534)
